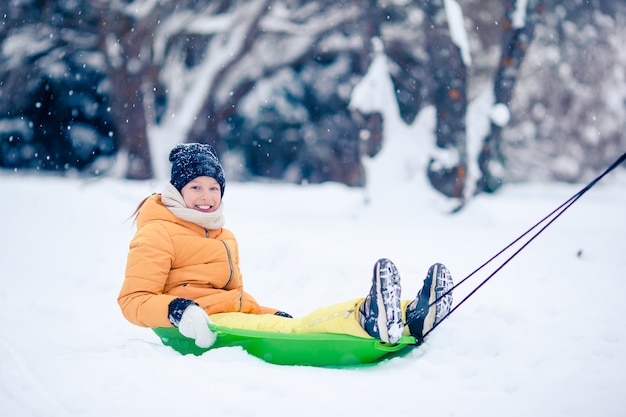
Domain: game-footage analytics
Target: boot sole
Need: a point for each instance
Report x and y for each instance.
(390, 325)
(442, 282)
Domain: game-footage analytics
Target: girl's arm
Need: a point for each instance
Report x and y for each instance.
(149, 261)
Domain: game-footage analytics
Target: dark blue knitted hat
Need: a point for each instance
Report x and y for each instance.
(192, 160)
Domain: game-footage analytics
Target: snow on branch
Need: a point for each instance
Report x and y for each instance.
(190, 22)
(138, 8)
(368, 95)
(316, 24)
(454, 14)
(518, 16)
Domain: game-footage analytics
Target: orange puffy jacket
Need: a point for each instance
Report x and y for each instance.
(171, 258)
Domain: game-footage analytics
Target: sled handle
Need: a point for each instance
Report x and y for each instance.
(388, 347)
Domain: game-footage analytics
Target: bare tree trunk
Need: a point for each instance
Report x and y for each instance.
(128, 112)
(214, 111)
(204, 129)
(123, 41)
(370, 124)
(447, 170)
(518, 31)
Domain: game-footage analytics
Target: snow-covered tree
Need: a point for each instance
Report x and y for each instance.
(271, 84)
(518, 27)
(568, 112)
(54, 99)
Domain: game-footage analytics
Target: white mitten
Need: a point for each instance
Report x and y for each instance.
(194, 324)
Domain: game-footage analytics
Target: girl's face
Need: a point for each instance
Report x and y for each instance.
(202, 194)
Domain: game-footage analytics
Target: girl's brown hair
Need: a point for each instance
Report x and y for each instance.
(138, 209)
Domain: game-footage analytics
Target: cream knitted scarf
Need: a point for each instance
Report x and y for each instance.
(173, 200)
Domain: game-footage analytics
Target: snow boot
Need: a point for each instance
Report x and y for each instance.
(421, 314)
(381, 314)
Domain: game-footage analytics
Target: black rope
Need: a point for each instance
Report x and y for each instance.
(555, 214)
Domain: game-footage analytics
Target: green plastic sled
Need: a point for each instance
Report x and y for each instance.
(317, 349)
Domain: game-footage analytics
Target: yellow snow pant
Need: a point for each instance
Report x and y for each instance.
(342, 318)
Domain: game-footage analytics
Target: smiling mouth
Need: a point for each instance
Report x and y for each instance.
(204, 208)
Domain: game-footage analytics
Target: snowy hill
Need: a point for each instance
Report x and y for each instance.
(545, 336)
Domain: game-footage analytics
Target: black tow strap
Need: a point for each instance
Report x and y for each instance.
(550, 218)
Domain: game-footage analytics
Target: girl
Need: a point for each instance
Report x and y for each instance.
(183, 270)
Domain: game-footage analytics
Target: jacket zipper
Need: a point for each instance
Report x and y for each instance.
(230, 266)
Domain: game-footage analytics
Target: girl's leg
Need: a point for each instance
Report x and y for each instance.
(379, 315)
(340, 318)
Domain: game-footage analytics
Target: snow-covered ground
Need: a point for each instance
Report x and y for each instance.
(545, 336)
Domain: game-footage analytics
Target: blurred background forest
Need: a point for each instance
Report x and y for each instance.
(93, 86)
